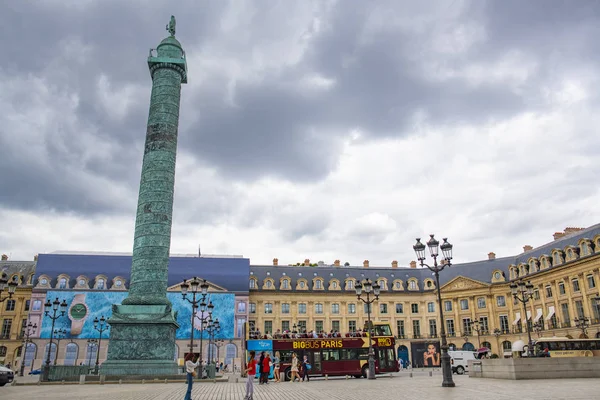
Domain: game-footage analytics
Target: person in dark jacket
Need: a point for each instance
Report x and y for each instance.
(260, 368)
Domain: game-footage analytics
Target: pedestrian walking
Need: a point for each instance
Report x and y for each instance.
(294, 368)
(190, 368)
(276, 362)
(251, 371)
(305, 368)
(266, 369)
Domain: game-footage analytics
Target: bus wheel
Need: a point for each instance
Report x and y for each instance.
(365, 371)
(460, 370)
(288, 374)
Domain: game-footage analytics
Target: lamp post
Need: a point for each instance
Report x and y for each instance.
(197, 300)
(29, 330)
(60, 334)
(476, 326)
(12, 286)
(58, 310)
(497, 333)
(434, 247)
(101, 326)
(368, 289)
(219, 343)
(212, 327)
(582, 323)
(91, 343)
(523, 292)
(538, 327)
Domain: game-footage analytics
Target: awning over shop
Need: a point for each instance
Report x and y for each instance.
(528, 315)
(550, 313)
(539, 315)
(516, 321)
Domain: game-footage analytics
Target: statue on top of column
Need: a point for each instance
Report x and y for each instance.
(171, 26)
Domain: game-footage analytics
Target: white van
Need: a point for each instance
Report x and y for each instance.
(459, 360)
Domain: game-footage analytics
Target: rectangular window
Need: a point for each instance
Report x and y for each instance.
(285, 308)
(561, 288)
(383, 308)
(591, 281)
(351, 326)
(285, 326)
(549, 292)
(416, 328)
(536, 294)
(400, 328)
(432, 328)
(368, 308)
(301, 326)
(484, 326)
(268, 327)
(10, 305)
(576, 285)
(241, 307)
(318, 284)
(6, 327)
(579, 308)
(414, 308)
(23, 328)
(268, 308)
(464, 304)
(301, 308)
(335, 308)
(318, 308)
(467, 326)
(240, 326)
(27, 304)
(481, 302)
(565, 313)
(319, 325)
(399, 308)
(335, 325)
(252, 308)
(447, 305)
(37, 305)
(504, 328)
(450, 327)
(501, 301)
(351, 308)
(431, 306)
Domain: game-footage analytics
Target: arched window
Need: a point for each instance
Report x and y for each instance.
(30, 354)
(230, 353)
(334, 285)
(486, 344)
(52, 352)
(452, 347)
(3, 350)
(71, 354)
(285, 284)
(412, 285)
(252, 284)
(62, 284)
(90, 355)
(468, 346)
(100, 284)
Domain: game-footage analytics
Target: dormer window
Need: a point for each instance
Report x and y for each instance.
(62, 283)
(334, 285)
(285, 284)
(100, 284)
(252, 284)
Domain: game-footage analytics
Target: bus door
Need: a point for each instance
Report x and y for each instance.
(387, 359)
(314, 357)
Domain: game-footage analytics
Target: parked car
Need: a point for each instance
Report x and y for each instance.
(6, 376)
(459, 359)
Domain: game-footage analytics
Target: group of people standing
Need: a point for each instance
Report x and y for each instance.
(262, 367)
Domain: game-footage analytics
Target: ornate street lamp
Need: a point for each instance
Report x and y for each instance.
(212, 327)
(368, 289)
(219, 343)
(434, 247)
(59, 334)
(538, 327)
(91, 343)
(476, 326)
(58, 309)
(523, 292)
(29, 330)
(12, 286)
(582, 323)
(197, 300)
(100, 325)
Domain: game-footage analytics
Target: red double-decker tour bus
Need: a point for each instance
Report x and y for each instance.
(333, 356)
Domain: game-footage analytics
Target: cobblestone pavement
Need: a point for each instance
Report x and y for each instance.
(399, 387)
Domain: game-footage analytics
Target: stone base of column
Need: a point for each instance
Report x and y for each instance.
(142, 341)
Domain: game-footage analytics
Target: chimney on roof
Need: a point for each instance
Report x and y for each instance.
(307, 262)
(413, 264)
(394, 264)
(275, 261)
(568, 230)
(336, 263)
(527, 248)
(366, 263)
(4, 257)
(558, 235)
(491, 255)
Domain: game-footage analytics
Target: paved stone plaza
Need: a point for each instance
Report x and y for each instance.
(399, 387)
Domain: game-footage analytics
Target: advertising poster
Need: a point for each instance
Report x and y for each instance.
(425, 354)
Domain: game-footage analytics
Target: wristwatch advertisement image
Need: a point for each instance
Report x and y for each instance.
(78, 312)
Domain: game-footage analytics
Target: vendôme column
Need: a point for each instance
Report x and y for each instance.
(142, 339)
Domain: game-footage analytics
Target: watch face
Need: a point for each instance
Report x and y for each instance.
(78, 311)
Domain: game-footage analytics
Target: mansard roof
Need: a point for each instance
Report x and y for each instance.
(23, 269)
(230, 273)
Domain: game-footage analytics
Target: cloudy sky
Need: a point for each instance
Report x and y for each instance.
(310, 129)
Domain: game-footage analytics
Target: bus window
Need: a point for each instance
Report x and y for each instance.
(331, 355)
(383, 330)
(349, 354)
(285, 356)
(363, 354)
